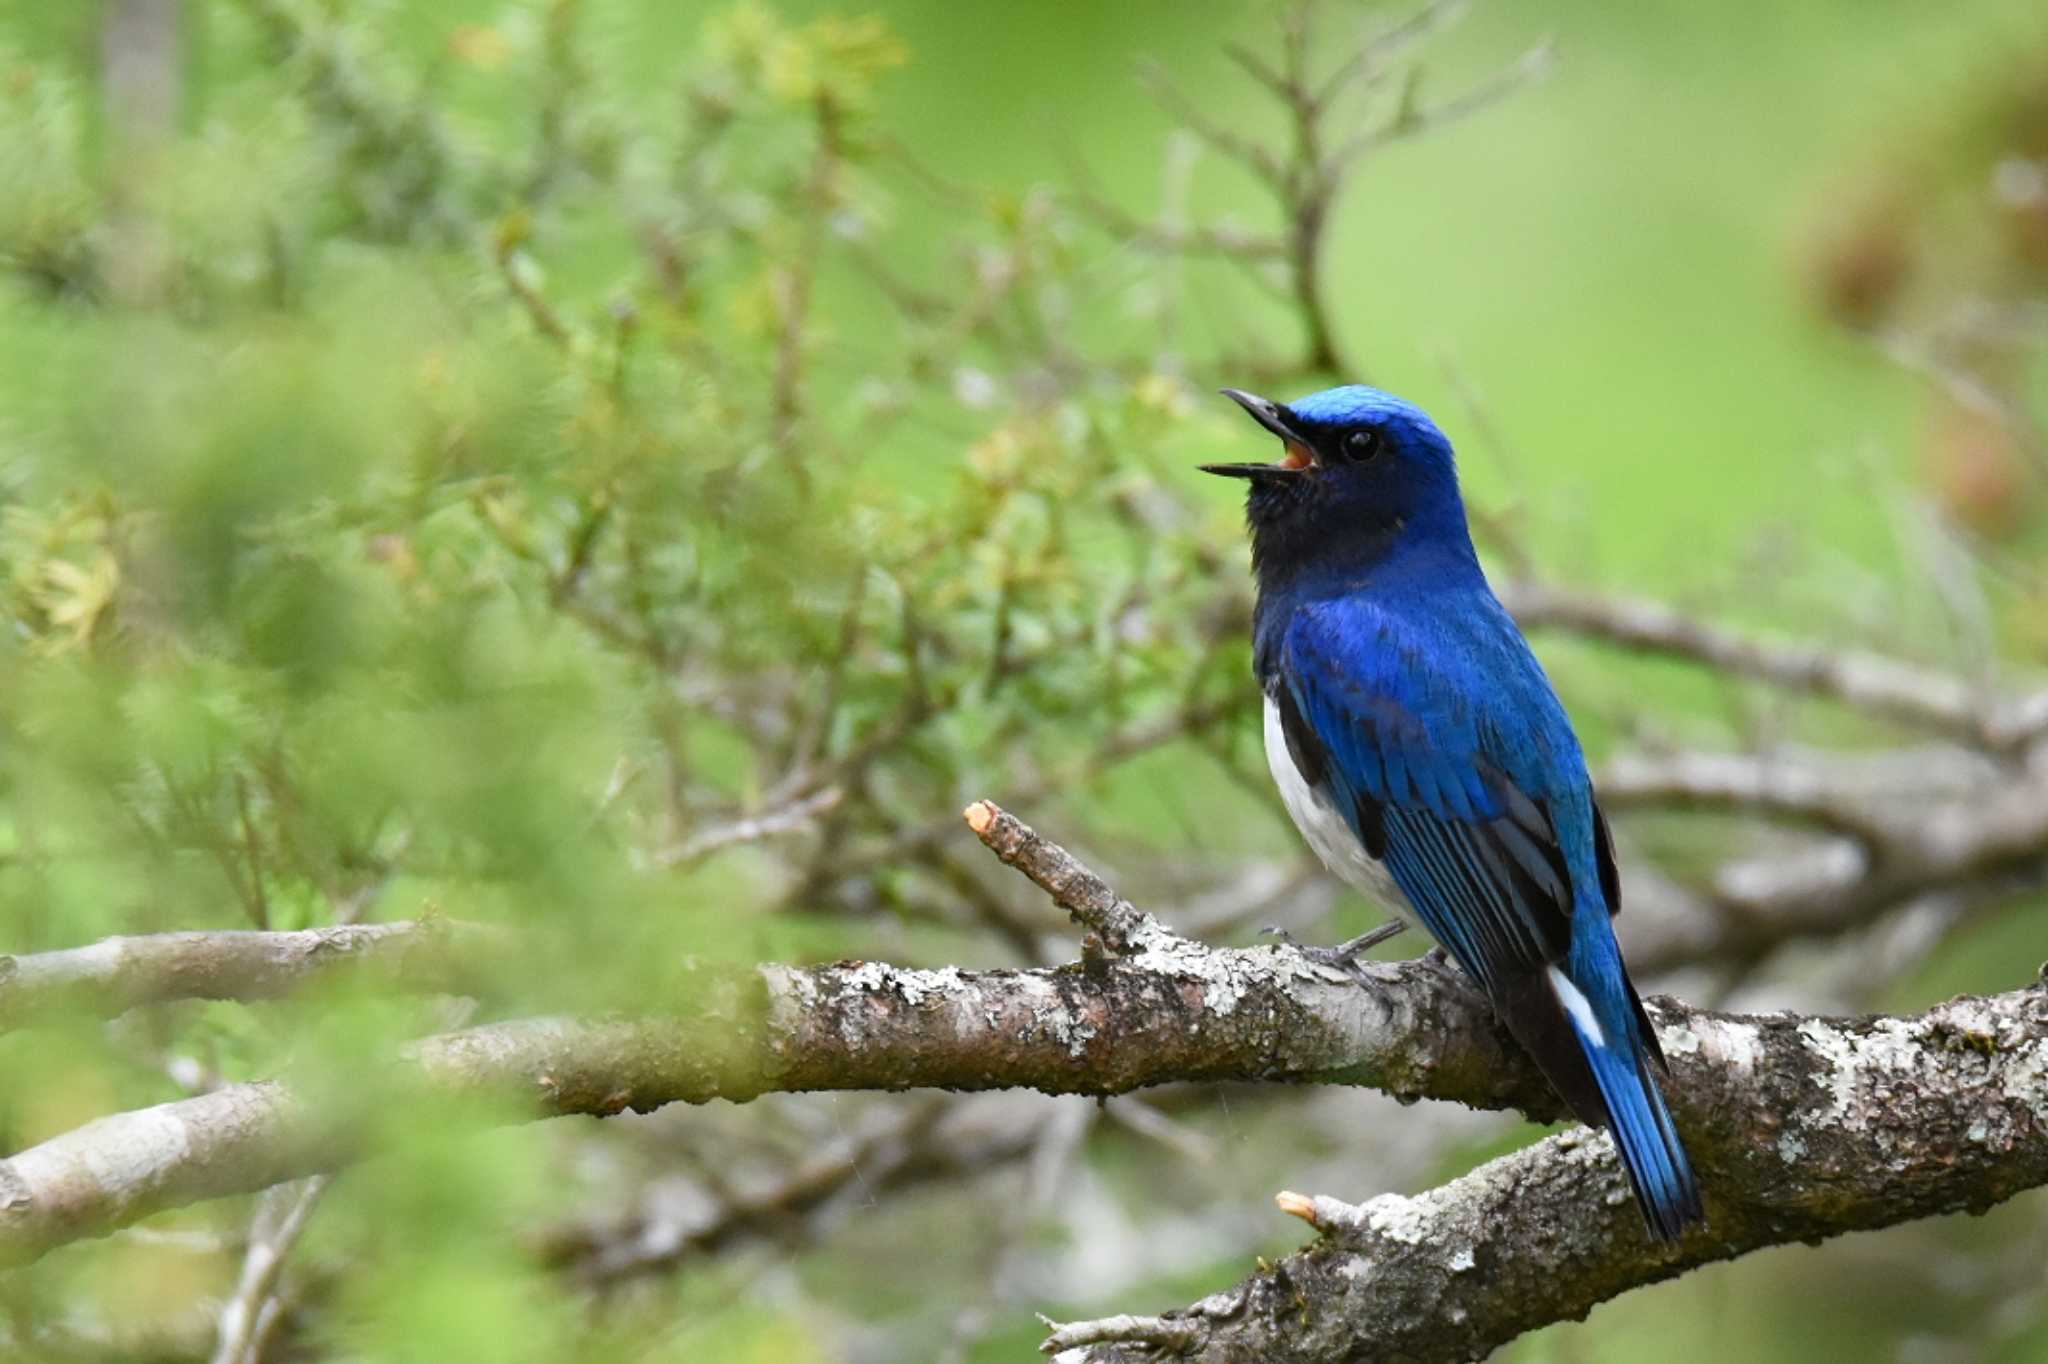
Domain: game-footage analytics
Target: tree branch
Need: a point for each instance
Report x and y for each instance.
(1892, 688)
(1410, 121)
(1797, 789)
(117, 974)
(1166, 1009)
(1801, 1127)
(251, 1313)
(1804, 1128)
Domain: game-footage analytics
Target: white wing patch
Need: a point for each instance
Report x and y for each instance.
(1579, 1007)
(1328, 833)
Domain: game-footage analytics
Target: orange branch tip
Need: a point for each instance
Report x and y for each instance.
(1297, 1205)
(981, 816)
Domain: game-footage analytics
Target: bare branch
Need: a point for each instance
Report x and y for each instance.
(1389, 43)
(1214, 239)
(1060, 874)
(1169, 1010)
(1305, 179)
(1967, 390)
(787, 818)
(1892, 688)
(1953, 849)
(1258, 68)
(1175, 1336)
(1798, 788)
(1409, 122)
(914, 1144)
(1239, 148)
(117, 974)
(252, 1310)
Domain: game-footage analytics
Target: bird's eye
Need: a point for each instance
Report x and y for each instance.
(1361, 445)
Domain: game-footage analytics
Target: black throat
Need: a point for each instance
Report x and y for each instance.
(1300, 537)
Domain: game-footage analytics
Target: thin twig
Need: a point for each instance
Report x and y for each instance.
(784, 819)
(1061, 875)
(252, 1311)
(1530, 67)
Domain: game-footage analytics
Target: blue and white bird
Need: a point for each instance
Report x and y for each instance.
(1426, 759)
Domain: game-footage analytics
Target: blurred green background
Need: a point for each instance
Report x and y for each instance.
(409, 506)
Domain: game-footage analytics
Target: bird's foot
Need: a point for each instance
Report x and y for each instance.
(1345, 955)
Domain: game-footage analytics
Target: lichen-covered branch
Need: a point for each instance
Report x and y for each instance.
(1803, 1128)
(1170, 1010)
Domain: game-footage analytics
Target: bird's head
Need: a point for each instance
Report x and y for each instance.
(1360, 472)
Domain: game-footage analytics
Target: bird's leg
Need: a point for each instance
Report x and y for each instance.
(1344, 956)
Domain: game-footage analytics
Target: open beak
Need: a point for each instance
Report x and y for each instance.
(1280, 422)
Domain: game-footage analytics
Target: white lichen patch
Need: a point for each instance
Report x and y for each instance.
(914, 987)
(1679, 1041)
(860, 995)
(1041, 1008)
(1397, 1218)
(1462, 1259)
(1586, 1148)
(2026, 1079)
(1225, 976)
(1973, 1018)
(1736, 1046)
(1065, 1028)
(868, 976)
(1042, 1012)
(1853, 1060)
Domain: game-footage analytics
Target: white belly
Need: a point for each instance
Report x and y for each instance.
(1327, 831)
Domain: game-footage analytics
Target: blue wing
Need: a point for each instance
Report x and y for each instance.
(1425, 764)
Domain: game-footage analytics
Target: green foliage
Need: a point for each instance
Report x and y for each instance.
(391, 569)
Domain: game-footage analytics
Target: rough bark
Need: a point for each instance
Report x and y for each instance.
(1175, 1011)
(1804, 1128)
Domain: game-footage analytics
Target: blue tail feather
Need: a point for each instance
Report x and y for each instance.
(1643, 1133)
(1619, 1054)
